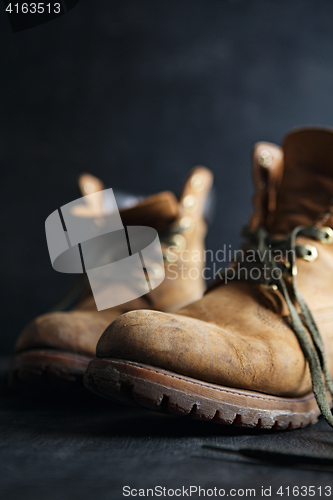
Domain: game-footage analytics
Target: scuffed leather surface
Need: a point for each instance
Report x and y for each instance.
(219, 338)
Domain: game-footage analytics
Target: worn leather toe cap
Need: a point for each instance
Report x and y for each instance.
(204, 351)
(181, 344)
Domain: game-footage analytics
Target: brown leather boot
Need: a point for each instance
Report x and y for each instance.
(57, 347)
(249, 352)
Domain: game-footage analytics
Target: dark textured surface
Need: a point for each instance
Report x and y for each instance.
(138, 92)
(57, 448)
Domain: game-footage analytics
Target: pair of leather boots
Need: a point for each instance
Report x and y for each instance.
(256, 350)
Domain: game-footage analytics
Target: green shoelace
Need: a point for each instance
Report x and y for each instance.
(281, 275)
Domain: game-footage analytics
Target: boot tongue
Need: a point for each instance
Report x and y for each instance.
(157, 211)
(306, 193)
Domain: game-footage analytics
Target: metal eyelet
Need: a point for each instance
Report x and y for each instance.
(290, 270)
(186, 224)
(294, 270)
(197, 182)
(265, 158)
(328, 240)
(269, 288)
(156, 270)
(313, 255)
(190, 203)
(178, 242)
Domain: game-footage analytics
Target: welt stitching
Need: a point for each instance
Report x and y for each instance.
(217, 388)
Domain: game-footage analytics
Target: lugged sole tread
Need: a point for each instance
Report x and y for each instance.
(167, 392)
(47, 369)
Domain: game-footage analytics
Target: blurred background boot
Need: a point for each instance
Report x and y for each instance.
(56, 347)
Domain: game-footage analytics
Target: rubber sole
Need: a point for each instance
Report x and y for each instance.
(168, 392)
(45, 369)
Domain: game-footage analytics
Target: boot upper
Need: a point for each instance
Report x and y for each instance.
(239, 333)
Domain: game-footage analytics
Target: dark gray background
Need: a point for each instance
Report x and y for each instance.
(138, 92)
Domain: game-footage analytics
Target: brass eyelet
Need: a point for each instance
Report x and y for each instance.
(190, 203)
(197, 183)
(328, 240)
(265, 158)
(313, 253)
(186, 224)
(269, 288)
(156, 271)
(179, 242)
